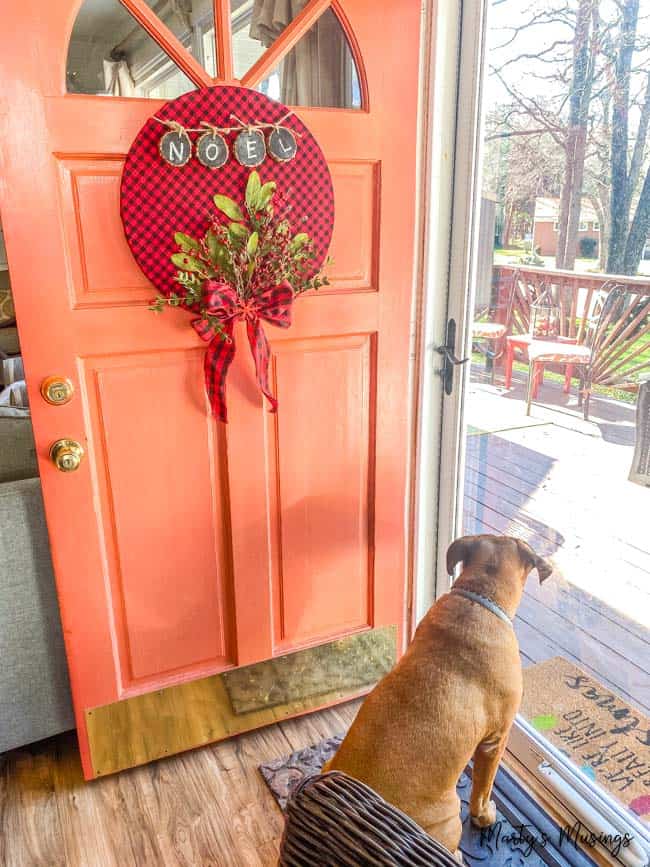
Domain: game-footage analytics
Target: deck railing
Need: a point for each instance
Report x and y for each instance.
(625, 352)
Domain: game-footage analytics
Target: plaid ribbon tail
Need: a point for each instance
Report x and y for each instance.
(218, 358)
(261, 352)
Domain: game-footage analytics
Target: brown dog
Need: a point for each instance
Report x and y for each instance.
(452, 696)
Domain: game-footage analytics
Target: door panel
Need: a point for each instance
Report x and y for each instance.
(168, 568)
(183, 547)
(356, 232)
(320, 454)
(100, 273)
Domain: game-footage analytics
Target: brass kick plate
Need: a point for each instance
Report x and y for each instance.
(147, 727)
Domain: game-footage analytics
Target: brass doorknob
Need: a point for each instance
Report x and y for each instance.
(57, 390)
(66, 455)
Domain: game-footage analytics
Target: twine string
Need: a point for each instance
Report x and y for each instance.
(175, 126)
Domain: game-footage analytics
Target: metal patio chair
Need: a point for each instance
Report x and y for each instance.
(609, 335)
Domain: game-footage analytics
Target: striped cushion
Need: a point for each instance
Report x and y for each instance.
(488, 330)
(15, 396)
(558, 353)
(11, 370)
(7, 314)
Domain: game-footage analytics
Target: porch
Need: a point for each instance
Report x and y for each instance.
(562, 484)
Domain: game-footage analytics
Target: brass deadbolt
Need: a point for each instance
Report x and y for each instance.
(66, 455)
(57, 390)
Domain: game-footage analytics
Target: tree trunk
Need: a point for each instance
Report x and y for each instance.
(565, 200)
(507, 227)
(638, 230)
(620, 192)
(579, 99)
(575, 201)
(600, 205)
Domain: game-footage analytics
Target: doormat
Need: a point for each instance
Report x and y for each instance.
(605, 737)
(523, 834)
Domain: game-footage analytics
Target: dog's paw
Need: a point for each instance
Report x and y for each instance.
(486, 817)
(458, 855)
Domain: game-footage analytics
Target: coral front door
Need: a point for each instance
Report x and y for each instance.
(183, 547)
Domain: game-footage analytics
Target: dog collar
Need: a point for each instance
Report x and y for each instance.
(485, 602)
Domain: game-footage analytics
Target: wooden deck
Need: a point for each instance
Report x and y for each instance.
(561, 484)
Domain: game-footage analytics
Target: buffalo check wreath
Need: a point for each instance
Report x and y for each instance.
(248, 266)
(222, 242)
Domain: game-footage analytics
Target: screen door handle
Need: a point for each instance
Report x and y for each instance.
(450, 359)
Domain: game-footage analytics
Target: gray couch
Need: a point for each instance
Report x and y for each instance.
(34, 689)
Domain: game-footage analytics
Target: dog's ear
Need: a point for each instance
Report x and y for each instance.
(459, 552)
(544, 568)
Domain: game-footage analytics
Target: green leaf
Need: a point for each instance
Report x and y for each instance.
(253, 188)
(266, 192)
(214, 246)
(299, 241)
(251, 246)
(236, 230)
(251, 268)
(186, 242)
(229, 207)
(187, 263)
(218, 253)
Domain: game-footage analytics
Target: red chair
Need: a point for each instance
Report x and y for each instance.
(609, 304)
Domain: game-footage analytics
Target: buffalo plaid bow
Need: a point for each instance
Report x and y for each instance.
(222, 301)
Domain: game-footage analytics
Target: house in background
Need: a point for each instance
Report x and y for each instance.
(545, 227)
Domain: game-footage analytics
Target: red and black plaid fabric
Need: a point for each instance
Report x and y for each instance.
(220, 299)
(158, 200)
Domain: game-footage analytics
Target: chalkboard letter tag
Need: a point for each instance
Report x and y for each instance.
(212, 150)
(176, 148)
(250, 149)
(282, 144)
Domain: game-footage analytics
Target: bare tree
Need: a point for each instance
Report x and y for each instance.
(588, 90)
(621, 193)
(585, 38)
(520, 163)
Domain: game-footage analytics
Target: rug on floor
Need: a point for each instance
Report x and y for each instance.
(605, 736)
(509, 849)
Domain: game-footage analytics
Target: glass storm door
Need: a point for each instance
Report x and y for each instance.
(550, 294)
(184, 548)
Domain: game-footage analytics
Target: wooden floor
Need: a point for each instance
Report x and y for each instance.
(561, 484)
(205, 808)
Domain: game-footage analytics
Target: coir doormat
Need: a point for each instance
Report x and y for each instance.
(607, 738)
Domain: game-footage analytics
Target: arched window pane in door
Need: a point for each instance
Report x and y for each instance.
(255, 25)
(192, 22)
(110, 54)
(318, 71)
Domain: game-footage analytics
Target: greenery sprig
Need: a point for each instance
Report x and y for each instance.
(251, 249)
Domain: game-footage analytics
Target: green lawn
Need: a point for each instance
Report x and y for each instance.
(512, 255)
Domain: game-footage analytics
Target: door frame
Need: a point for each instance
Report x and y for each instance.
(452, 165)
(439, 103)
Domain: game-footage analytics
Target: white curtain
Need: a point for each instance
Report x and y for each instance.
(314, 72)
(117, 78)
